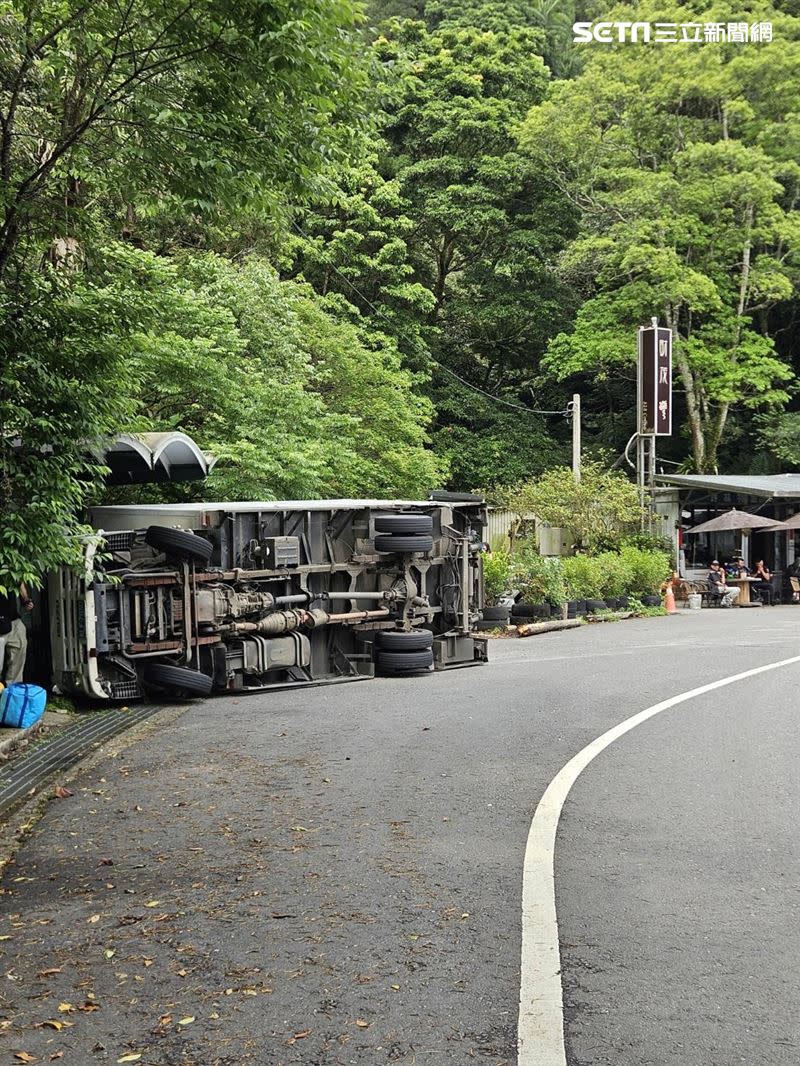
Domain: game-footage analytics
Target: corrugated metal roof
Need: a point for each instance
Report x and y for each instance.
(767, 486)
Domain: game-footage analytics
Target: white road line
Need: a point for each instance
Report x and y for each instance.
(540, 1033)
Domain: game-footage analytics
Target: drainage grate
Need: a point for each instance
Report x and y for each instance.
(26, 774)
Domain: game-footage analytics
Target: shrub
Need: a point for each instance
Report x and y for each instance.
(496, 574)
(645, 570)
(538, 578)
(583, 576)
(613, 575)
(650, 542)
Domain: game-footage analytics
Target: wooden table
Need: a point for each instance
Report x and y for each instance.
(743, 584)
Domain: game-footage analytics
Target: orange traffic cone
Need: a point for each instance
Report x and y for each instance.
(669, 600)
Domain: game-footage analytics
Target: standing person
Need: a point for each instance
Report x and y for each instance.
(719, 586)
(13, 635)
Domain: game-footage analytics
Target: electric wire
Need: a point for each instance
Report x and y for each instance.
(563, 413)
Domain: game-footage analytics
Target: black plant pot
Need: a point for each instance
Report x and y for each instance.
(624, 602)
(595, 605)
(496, 614)
(612, 603)
(651, 601)
(580, 607)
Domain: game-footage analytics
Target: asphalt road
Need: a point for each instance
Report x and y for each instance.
(333, 875)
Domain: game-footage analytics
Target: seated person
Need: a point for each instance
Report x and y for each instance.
(719, 587)
(763, 588)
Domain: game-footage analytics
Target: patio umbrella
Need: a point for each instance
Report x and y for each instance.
(733, 519)
(790, 523)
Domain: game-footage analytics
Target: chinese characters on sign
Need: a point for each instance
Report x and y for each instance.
(673, 32)
(655, 381)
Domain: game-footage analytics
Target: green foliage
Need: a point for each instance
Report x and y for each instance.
(600, 510)
(64, 348)
(206, 106)
(686, 172)
(485, 227)
(538, 578)
(645, 571)
(651, 542)
(583, 577)
(631, 571)
(779, 433)
(289, 397)
(485, 445)
(496, 574)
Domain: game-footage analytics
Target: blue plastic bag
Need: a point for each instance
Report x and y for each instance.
(21, 705)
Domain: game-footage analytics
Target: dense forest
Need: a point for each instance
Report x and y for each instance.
(371, 249)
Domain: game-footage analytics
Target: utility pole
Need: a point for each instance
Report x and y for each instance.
(576, 436)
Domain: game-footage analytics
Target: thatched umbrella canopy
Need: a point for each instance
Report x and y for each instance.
(732, 519)
(789, 524)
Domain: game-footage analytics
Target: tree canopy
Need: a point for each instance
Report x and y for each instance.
(373, 249)
(685, 176)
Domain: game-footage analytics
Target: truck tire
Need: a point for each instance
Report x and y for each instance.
(392, 542)
(178, 679)
(392, 663)
(391, 640)
(179, 543)
(404, 523)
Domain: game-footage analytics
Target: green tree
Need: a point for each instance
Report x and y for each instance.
(64, 382)
(485, 229)
(601, 509)
(686, 178)
(211, 106)
(285, 393)
(356, 245)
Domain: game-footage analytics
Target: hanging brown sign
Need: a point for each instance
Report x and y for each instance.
(655, 381)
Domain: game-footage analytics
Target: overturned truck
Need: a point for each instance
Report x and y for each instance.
(193, 598)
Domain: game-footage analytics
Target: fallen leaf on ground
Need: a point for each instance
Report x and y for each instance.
(131, 1058)
(5, 936)
(186, 1021)
(396, 988)
(153, 903)
(362, 1024)
(62, 793)
(56, 1055)
(47, 973)
(109, 953)
(53, 1024)
(299, 1036)
(94, 918)
(23, 1056)
(65, 1008)
(298, 828)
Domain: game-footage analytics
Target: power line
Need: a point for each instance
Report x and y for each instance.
(468, 384)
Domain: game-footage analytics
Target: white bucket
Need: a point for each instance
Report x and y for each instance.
(695, 601)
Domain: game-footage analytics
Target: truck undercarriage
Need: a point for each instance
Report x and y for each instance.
(194, 598)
